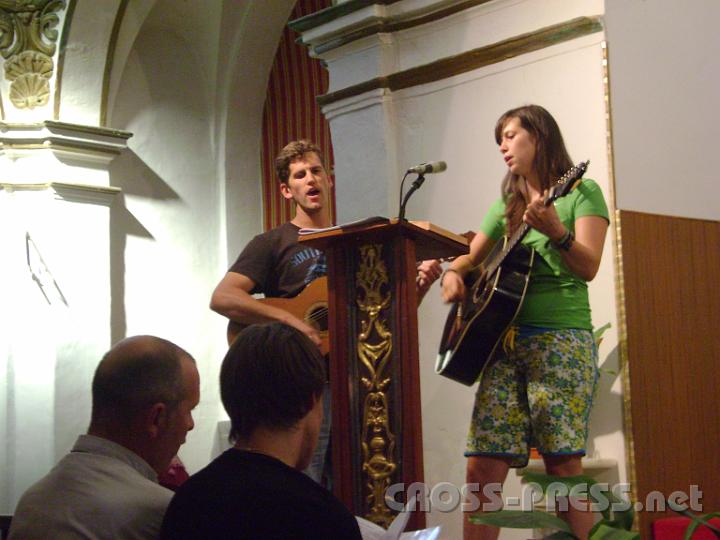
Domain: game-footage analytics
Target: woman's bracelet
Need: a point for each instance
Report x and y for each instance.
(566, 242)
(445, 272)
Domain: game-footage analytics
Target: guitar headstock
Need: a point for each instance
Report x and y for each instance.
(568, 182)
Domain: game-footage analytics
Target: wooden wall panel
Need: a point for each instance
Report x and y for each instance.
(671, 269)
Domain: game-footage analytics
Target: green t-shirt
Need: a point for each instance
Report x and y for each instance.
(556, 298)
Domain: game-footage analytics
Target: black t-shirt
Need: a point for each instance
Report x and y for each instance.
(278, 264)
(250, 496)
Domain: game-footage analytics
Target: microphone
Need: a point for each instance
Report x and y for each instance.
(428, 168)
(421, 170)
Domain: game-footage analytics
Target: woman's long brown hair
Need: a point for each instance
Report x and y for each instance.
(551, 159)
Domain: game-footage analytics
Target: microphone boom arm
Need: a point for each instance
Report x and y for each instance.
(415, 186)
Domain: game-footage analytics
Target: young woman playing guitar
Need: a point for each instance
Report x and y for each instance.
(539, 391)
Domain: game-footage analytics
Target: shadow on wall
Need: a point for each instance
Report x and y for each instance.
(135, 178)
(603, 418)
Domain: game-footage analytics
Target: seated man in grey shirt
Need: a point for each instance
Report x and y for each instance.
(143, 392)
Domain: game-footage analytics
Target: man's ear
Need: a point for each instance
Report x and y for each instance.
(156, 419)
(285, 190)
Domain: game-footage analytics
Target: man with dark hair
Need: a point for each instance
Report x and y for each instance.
(271, 384)
(143, 391)
(277, 265)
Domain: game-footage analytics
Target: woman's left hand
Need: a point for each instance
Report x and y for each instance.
(583, 258)
(544, 218)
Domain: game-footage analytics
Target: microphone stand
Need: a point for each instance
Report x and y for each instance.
(415, 186)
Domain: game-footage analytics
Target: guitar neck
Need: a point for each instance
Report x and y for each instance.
(563, 186)
(513, 241)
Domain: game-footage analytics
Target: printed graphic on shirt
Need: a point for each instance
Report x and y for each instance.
(304, 255)
(318, 268)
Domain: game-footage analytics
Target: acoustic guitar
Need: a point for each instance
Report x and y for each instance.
(311, 306)
(476, 325)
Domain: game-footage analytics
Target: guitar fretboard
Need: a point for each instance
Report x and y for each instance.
(562, 188)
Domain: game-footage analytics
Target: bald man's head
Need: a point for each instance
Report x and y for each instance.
(135, 373)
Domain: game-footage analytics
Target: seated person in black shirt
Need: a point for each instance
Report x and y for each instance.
(271, 384)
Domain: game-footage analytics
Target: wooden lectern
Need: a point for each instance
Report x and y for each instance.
(374, 372)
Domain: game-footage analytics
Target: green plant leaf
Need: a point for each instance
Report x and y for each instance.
(598, 332)
(699, 521)
(545, 480)
(603, 532)
(622, 519)
(560, 535)
(520, 519)
(609, 502)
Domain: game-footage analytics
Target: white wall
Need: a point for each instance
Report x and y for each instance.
(665, 79)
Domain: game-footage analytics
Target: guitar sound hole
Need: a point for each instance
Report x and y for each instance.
(317, 317)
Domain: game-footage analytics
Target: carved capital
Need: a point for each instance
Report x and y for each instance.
(28, 40)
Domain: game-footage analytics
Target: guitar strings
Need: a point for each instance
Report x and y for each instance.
(319, 314)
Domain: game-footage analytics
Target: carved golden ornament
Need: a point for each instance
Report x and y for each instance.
(374, 348)
(30, 91)
(28, 41)
(26, 24)
(28, 62)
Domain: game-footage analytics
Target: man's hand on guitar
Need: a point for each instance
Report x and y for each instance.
(453, 287)
(305, 328)
(427, 273)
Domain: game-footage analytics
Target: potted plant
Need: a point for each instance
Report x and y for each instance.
(615, 524)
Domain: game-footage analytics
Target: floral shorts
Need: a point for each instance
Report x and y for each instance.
(539, 394)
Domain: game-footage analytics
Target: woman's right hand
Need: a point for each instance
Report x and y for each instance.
(453, 287)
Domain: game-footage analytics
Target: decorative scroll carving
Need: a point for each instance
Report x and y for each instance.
(27, 42)
(374, 348)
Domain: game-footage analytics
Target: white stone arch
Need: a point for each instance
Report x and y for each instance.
(130, 23)
(82, 60)
(250, 39)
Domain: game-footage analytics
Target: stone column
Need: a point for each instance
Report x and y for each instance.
(55, 285)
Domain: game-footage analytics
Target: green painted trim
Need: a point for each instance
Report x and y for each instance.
(54, 124)
(55, 144)
(108, 190)
(112, 43)
(474, 59)
(389, 25)
(62, 46)
(331, 13)
(93, 130)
